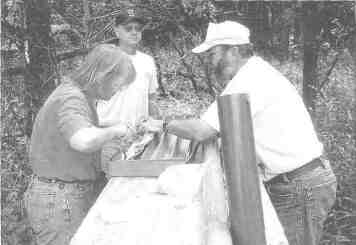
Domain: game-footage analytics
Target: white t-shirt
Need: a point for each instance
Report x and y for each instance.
(285, 138)
(131, 104)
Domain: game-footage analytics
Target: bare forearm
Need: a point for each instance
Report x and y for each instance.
(93, 138)
(193, 129)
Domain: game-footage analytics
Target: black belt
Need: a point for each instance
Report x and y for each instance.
(285, 177)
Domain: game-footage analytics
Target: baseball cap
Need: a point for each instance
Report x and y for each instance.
(227, 32)
(129, 15)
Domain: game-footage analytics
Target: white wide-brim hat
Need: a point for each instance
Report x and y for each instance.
(227, 32)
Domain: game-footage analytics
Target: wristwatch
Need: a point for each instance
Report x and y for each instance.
(164, 125)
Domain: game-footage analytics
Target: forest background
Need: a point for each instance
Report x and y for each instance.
(312, 43)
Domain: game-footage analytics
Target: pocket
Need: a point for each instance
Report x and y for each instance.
(40, 207)
(281, 189)
(323, 198)
(76, 206)
(318, 202)
(283, 202)
(81, 198)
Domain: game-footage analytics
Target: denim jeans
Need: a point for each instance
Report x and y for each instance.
(303, 203)
(55, 210)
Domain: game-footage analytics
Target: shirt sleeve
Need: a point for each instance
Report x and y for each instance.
(153, 79)
(211, 116)
(73, 114)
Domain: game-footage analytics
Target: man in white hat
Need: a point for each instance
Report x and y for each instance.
(300, 182)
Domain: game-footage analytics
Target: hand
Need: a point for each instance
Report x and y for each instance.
(134, 150)
(153, 126)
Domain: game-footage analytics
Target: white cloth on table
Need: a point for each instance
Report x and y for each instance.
(187, 205)
(205, 182)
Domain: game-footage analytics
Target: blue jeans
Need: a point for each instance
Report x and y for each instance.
(55, 210)
(303, 203)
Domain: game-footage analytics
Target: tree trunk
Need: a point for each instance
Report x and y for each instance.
(86, 17)
(262, 36)
(298, 23)
(352, 48)
(287, 19)
(284, 43)
(40, 77)
(311, 28)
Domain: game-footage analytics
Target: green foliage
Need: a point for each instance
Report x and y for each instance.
(338, 23)
(333, 122)
(175, 18)
(14, 179)
(15, 171)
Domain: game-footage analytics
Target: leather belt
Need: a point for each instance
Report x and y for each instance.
(286, 177)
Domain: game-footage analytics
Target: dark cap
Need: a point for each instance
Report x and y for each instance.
(129, 15)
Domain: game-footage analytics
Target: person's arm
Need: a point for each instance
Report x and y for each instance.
(153, 109)
(193, 129)
(75, 121)
(91, 139)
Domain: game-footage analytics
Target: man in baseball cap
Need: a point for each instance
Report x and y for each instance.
(225, 38)
(300, 181)
(138, 100)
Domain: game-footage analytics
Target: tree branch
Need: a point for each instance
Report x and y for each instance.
(71, 54)
(21, 70)
(327, 75)
(103, 30)
(67, 17)
(111, 14)
(72, 33)
(184, 63)
(86, 23)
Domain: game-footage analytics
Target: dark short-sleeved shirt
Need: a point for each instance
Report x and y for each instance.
(65, 111)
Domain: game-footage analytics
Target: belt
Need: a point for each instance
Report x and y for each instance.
(60, 181)
(286, 177)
